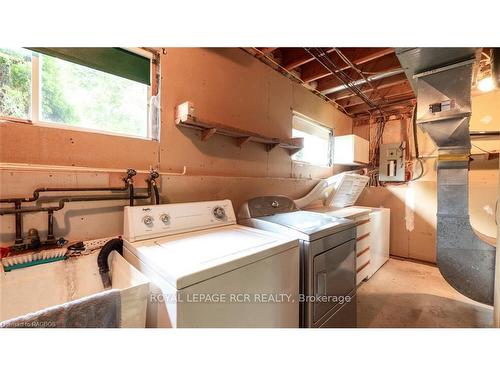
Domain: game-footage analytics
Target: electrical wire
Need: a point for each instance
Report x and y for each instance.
(322, 57)
(421, 170)
(482, 149)
(298, 79)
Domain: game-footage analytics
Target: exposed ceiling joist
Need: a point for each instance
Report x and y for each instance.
(266, 50)
(314, 70)
(387, 92)
(359, 81)
(396, 100)
(387, 82)
(299, 59)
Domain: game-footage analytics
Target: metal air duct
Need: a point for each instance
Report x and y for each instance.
(442, 80)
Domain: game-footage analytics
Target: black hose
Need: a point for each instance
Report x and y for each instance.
(116, 244)
(131, 195)
(157, 194)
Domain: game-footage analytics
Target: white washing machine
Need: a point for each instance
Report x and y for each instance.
(208, 271)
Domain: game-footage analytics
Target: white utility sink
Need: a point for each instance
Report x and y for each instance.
(31, 289)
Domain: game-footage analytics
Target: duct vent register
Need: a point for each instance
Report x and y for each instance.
(443, 112)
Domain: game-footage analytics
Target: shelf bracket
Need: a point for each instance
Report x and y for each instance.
(270, 146)
(208, 133)
(242, 140)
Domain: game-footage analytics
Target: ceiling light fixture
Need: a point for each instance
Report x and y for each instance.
(486, 84)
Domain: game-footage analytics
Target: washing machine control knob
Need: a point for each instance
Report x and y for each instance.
(148, 220)
(219, 212)
(165, 218)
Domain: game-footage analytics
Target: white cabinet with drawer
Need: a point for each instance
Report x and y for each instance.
(363, 252)
(372, 236)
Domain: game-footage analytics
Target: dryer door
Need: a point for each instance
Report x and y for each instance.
(334, 273)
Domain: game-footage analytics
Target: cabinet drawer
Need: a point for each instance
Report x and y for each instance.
(363, 272)
(362, 244)
(363, 257)
(363, 228)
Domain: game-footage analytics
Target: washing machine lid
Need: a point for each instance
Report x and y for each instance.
(190, 258)
(312, 224)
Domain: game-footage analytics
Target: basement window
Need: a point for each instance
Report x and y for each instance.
(103, 90)
(318, 141)
(15, 83)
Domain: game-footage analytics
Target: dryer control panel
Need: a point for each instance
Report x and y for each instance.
(145, 222)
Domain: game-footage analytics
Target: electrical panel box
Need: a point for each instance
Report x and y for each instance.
(392, 162)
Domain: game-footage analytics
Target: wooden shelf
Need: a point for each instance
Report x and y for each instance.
(208, 129)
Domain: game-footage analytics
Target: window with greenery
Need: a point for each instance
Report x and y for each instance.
(318, 141)
(15, 83)
(56, 92)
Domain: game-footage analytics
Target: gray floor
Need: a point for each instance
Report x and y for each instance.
(408, 294)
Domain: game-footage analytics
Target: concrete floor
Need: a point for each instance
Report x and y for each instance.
(405, 294)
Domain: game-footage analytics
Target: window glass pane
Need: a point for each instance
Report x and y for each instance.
(317, 142)
(15, 83)
(75, 95)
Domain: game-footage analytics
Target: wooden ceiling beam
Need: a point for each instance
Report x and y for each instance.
(304, 57)
(383, 83)
(266, 50)
(387, 92)
(398, 110)
(387, 63)
(315, 70)
(373, 56)
(402, 100)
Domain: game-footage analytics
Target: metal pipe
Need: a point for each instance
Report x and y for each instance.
(157, 194)
(375, 77)
(50, 226)
(19, 225)
(484, 133)
(354, 67)
(282, 69)
(18, 210)
(149, 193)
(70, 168)
(36, 193)
(131, 194)
(62, 202)
(320, 55)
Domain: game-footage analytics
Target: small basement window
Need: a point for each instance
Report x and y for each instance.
(104, 90)
(318, 141)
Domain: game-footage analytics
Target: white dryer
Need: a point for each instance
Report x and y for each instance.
(208, 271)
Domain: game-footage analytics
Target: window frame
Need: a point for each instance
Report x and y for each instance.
(36, 98)
(320, 125)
